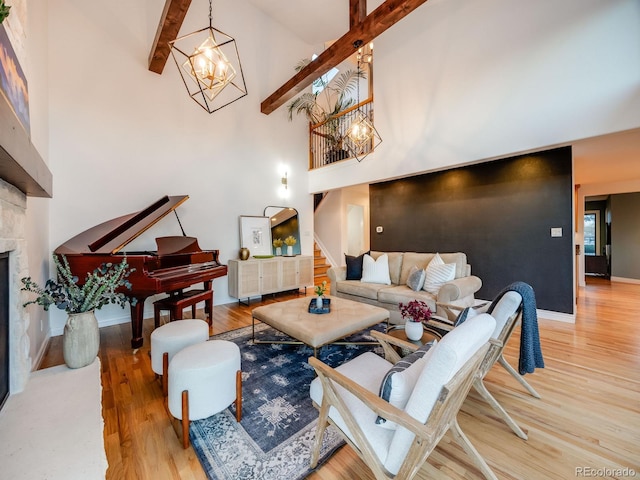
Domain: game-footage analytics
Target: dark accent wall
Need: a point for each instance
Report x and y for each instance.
(499, 213)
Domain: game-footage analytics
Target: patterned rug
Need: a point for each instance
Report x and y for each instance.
(277, 431)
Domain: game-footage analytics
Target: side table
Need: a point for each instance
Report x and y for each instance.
(397, 331)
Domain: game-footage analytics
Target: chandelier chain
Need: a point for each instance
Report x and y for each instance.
(210, 13)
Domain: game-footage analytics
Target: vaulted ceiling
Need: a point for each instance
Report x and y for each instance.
(321, 21)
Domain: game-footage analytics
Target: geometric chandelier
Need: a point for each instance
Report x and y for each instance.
(211, 70)
(361, 136)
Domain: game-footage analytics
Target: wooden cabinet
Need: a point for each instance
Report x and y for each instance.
(253, 277)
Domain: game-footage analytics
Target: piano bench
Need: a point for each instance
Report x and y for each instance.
(176, 303)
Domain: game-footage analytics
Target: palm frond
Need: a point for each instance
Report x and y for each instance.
(347, 82)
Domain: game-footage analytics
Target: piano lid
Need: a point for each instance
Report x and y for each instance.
(111, 236)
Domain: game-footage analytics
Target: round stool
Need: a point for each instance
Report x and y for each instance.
(204, 379)
(173, 337)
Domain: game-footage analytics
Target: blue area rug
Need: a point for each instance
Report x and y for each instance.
(277, 431)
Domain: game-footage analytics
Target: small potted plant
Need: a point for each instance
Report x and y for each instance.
(290, 241)
(81, 337)
(277, 244)
(414, 313)
(320, 290)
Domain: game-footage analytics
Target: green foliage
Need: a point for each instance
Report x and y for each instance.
(99, 288)
(337, 96)
(320, 289)
(4, 11)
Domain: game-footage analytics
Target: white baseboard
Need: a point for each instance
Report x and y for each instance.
(108, 322)
(625, 280)
(35, 362)
(547, 314)
(557, 316)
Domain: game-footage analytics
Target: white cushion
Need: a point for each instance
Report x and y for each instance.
(376, 271)
(174, 336)
(438, 275)
(367, 371)
(506, 306)
(446, 359)
(398, 383)
(208, 372)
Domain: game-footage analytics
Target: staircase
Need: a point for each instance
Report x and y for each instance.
(320, 267)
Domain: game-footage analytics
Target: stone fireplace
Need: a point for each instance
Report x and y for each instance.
(13, 204)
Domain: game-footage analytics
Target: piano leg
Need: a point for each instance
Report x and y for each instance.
(137, 316)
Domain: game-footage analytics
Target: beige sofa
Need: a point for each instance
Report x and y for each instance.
(459, 291)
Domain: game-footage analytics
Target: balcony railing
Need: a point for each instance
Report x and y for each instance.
(326, 138)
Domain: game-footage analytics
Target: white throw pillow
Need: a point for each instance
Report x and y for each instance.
(436, 260)
(376, 271)
(438, 275)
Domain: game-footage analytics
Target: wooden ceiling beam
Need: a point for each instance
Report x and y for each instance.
(357, 12)
(168, 28)
(382, 18)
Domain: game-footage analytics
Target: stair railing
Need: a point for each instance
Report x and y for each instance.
(326, 138)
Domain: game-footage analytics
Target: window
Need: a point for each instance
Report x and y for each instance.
(592, 232)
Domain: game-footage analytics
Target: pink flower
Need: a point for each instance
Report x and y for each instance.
(415, 311)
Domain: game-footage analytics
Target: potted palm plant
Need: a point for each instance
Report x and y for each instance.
(81, 337)
(324, 104)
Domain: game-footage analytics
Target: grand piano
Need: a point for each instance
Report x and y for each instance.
(178, 263)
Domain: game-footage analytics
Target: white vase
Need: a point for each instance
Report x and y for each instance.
(278, 251)
(80, 340)
(318, 302)
(290, 250)
(413, 330)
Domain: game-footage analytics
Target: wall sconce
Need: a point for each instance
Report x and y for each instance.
(284, 181)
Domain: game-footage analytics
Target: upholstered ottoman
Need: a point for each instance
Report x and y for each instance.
(204, 379)
(169, 339)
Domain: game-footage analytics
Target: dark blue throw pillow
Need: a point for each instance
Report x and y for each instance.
(354, 266)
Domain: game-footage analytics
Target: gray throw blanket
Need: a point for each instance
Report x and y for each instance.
(530, 351)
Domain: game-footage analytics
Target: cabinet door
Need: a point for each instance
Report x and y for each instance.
(289, 279)
(248, 279)
(269, 276)
(305, 271)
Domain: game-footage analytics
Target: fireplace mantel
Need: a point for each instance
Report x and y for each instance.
(20, 163)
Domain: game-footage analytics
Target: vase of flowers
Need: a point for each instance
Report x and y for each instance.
(81, 337)
(277, 244)
(290, 241)
(414, 313)
(320, 289)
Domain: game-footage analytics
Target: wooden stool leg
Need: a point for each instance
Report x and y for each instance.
(238, 396)
(208, 308)
(165, 373)
(193, 311)
(156, 317)
(185, 419)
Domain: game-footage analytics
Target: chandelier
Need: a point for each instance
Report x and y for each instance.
(211, 71)
(361, 136)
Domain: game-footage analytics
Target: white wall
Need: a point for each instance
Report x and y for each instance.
(121, 136)
(465, 81)
(37, 213)
(331, 221)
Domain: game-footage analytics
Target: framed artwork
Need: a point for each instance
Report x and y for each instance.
(13, 83)
(255, 234)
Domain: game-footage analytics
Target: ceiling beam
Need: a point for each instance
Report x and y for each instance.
(357, 12)
(168, 28)
(382, 18)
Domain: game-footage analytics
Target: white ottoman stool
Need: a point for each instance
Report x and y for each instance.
(169, 339)
(204, 379)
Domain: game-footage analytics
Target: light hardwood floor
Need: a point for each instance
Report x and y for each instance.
(588, 417)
